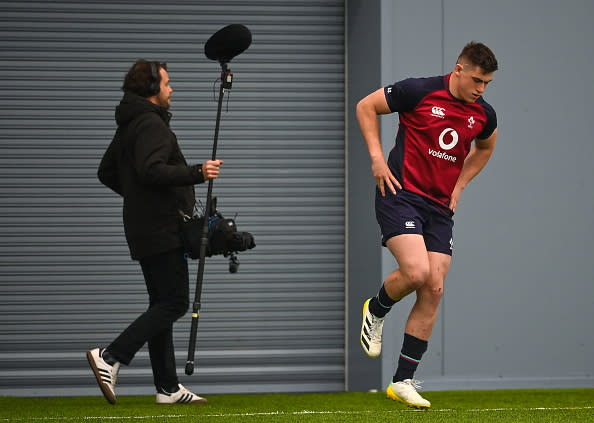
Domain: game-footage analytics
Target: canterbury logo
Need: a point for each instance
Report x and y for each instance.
(438, 112)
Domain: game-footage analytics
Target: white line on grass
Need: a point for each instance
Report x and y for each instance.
(294, 413)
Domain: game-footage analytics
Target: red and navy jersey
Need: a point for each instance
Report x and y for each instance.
(435, 134)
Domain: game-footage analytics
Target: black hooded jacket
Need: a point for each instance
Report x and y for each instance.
(145, 165)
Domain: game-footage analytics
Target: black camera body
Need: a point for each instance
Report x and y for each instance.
(222, 237)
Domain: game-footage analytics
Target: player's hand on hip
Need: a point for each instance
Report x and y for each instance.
(211, 169)
(455, 198)
(384, 177)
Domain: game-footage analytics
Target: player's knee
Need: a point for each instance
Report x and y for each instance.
(436, 293)
(417, 277)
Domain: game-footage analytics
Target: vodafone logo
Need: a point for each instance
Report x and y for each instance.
(448, 139)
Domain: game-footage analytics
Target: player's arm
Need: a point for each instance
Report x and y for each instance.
(367, 112)
(476, 160)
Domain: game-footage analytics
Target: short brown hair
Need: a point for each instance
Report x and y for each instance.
(143, 78)
(478, 54)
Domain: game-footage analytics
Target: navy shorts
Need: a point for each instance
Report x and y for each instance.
(409, 213)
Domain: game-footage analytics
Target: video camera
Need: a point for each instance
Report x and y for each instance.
(222, 237)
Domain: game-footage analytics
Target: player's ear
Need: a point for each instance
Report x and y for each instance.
(458, 68)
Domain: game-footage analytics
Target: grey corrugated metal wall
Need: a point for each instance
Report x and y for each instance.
(67, 283)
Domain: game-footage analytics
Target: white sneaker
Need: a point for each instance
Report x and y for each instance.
(371, 332)
(182, 396)
(406, 393)
(106, 374)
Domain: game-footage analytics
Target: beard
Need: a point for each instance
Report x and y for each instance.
(164, 102)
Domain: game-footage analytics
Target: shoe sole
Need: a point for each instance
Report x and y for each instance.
(202, 401)
(392, 395)
(109, 396)
(361, 340)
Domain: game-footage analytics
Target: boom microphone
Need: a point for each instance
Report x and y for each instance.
(228, 42)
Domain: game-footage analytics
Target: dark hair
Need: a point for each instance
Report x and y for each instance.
(478, 54)
(143, 78)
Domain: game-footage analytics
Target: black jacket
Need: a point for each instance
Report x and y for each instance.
(145, 166)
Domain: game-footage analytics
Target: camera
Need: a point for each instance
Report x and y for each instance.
(222, 237)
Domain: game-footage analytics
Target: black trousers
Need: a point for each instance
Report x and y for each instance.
(167, 283)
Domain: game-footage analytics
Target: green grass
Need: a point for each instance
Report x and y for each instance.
(561, 405)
